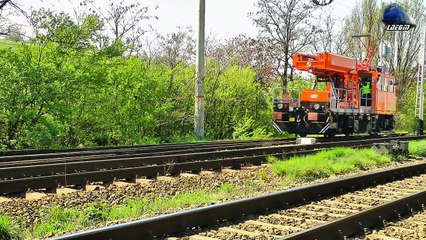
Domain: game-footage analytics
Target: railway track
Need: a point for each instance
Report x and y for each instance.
(412, 227)
(33, 156)
(146, 146)
(27, 157)
(330, 210)
(318, 220)
(20, 175)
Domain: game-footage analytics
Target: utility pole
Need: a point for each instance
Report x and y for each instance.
(199, 81)
(422, 79)
(420, 97)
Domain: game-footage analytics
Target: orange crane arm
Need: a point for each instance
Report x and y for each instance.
(324, 64)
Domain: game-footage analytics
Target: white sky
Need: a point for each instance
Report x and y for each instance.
(224, 18)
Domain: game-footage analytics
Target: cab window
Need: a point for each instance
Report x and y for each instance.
(385, 85)
(379, 84)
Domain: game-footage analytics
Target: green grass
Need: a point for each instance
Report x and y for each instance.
(59, 220)
(135, 208)
(327, 163)
(7, 44)
(7, 228)
(417, 148)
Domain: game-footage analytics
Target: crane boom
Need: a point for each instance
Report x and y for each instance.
(324, 64)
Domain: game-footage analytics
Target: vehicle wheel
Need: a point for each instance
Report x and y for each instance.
(374, 134)
(331, 134)
(302, 134)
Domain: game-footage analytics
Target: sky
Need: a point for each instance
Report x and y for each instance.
(224, 18)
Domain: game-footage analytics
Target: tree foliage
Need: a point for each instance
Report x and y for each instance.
(61, 90)
(9, 9)
(123, 21)
(287, 26)
(404, 48)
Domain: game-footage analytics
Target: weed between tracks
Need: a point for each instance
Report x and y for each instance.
(417, 148)
(336, 161)
(327, 163)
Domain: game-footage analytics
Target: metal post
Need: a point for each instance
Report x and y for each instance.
(199, 82)
(422, 74)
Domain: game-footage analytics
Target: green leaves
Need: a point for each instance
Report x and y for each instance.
(92, 98)
(60, 90)
(60, 29)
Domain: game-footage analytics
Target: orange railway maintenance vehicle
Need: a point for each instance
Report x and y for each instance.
(357, 97)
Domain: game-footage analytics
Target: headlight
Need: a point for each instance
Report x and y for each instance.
(316, 106)
(280, 106)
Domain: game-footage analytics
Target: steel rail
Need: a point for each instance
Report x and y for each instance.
(150, 147)
(8, 156)
(81, 178)
(82, 155)
(355, 223)
(43, 151)
(132, 153)
(70, 166)
(20, 179)
(204, 216)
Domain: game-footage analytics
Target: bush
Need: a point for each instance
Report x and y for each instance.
(88, 98)
(247, 130)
